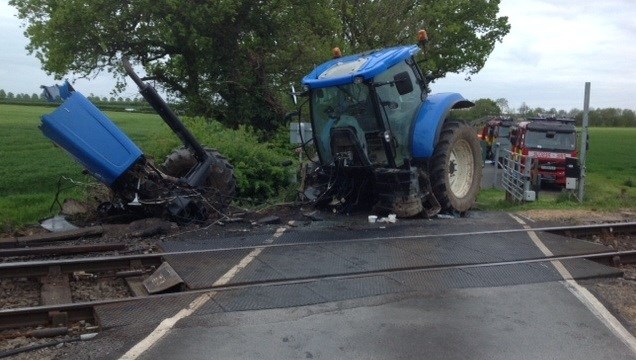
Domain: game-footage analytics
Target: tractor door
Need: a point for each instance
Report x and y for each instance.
(399, 102)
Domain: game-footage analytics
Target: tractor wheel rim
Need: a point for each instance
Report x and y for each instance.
(460, 168)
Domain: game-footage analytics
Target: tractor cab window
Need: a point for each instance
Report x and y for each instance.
(342, 106)
(399, 109)
(550, 140)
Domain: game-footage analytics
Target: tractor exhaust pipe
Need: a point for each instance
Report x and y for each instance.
(199, 173)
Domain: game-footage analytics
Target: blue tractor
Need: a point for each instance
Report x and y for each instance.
(383, 141)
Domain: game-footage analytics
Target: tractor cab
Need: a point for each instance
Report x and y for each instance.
(364, 120)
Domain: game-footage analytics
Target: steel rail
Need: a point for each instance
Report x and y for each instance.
(41, 315)
(594, 229)
(61, 250)
(68, 266)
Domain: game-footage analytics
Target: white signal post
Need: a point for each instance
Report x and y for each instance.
(583, 147)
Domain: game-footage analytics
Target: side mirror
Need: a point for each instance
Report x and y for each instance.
(403, 83)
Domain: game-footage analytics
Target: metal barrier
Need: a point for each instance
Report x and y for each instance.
(517, 177)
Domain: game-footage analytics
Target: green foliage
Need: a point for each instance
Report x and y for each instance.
(603, 117)
(233, 60)
(482, 108)
(258, 165)
(462, 33)
(600, 117)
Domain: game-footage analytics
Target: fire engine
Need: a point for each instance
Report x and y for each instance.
(550, 140)
(497, 130)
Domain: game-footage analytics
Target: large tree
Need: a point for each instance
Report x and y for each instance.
(234, 59)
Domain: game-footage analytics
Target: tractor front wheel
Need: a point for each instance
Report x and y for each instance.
(220, 185)
(455, 168)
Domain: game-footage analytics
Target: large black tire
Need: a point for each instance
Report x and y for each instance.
(455, 167)
(220, 185)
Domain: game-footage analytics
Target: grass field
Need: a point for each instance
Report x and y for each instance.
(31, 165)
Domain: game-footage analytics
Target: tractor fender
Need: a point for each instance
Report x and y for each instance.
(429, 120)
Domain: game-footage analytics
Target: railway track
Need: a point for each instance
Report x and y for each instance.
(74, 312)
(65, 312)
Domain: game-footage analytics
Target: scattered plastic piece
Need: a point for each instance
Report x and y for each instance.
(392, 218)
(89, 336)
(58, 223)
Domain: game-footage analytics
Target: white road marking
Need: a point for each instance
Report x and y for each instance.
(167, 324)
(581, 293)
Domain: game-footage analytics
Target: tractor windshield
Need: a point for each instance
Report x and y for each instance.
(342, 106)
(550, 140)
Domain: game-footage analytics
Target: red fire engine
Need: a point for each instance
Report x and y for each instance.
(550, 140)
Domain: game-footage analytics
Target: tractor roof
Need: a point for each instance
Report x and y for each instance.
(341, 71)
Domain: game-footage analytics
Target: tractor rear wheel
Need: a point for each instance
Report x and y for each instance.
(220, 185)
(455, 168)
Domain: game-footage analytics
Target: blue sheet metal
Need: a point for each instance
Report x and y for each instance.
(91, 138)
(430, 119)
(367, 65)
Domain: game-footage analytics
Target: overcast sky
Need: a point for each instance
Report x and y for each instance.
(552, 49)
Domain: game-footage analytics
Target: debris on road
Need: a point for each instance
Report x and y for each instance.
(272, 219)
(313, 216)
(58, 223)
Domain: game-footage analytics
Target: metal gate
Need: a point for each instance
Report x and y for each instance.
(517, 177)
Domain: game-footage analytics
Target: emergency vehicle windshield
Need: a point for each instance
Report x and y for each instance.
(504, 131)
(550, 140)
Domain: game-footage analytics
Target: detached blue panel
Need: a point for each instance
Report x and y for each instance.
(92, 138)
(429, 122)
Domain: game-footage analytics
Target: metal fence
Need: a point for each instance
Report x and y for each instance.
(517, 177)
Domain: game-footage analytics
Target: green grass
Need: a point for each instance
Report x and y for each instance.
(31, 165)
(610, 181)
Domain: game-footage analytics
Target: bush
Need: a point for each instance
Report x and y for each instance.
(258, 166)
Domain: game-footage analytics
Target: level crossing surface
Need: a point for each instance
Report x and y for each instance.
(371, 291)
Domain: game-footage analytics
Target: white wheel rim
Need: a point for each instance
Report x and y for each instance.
(460, 168)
